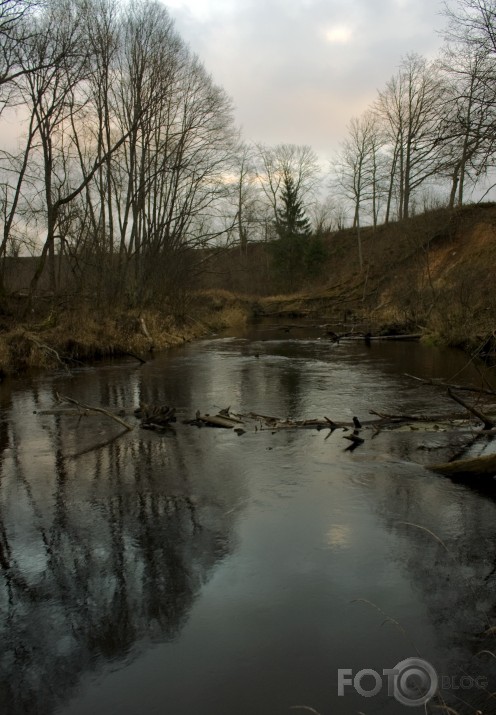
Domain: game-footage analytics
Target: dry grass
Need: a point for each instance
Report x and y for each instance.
(219, 309)
(71, 335)
(81, 335)
(230, 317)
(433, 271)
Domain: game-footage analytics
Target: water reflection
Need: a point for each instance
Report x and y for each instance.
(99, 554)
(449, 555)
(240, 560)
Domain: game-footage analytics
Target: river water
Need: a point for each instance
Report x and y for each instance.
(199, 572)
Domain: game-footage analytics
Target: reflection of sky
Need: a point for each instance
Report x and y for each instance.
(339, 536)
(278, 616)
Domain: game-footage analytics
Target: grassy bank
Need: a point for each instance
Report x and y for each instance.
(79, 334)
(433, 274)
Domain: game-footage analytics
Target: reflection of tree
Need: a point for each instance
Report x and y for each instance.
(290, 379)
(285, 382)
(108, 556)
(103, 553)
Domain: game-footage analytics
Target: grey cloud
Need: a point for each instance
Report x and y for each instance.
(287, 82)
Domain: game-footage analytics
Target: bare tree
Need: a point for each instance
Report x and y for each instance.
(287, 161)
(469, 62)
(326, 215)
(467, 135)
(357, 169)
(473, 23)
(249, 212)
(411, 108)
(168, 181)
(126, 152)
(59, 52)
(14, 34)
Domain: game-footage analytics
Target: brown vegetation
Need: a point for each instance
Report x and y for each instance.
(74, 335)
(433, 272)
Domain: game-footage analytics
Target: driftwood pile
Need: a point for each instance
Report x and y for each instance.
(475, 466)
(162, 417)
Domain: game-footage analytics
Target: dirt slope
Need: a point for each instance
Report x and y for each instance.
(436, 271)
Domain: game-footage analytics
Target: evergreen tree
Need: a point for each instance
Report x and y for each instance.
(291, 218)
(294, 254)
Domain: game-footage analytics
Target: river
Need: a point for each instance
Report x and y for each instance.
(202, 572)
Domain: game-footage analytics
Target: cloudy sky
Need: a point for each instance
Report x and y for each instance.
(299, 70)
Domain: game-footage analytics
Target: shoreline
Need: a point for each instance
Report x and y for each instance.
(81, 335)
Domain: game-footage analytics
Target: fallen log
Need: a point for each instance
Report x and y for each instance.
(306, 424)
(267, 418)
(434, 382)
(487, 421)
(224, 418)
(385, 421)
(476, 466)
(214, 421)
(218, 421)
(386, 418)
(408, 338)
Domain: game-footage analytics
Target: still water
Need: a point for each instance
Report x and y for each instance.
(200, 572)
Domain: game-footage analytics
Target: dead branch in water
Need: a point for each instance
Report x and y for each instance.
(488, 423)
(156, 417)
(90, 408)
(355, 440)
(440, 383)
(49, 351)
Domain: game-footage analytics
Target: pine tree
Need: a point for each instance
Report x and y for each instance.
(291, 218)
(292, 226)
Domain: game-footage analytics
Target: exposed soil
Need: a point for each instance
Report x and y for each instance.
(434, 273)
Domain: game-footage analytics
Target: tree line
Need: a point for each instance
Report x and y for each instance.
(121, 165)
(119, 170)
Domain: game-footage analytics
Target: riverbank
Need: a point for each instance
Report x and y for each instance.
(77, 335)
(431, 274)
